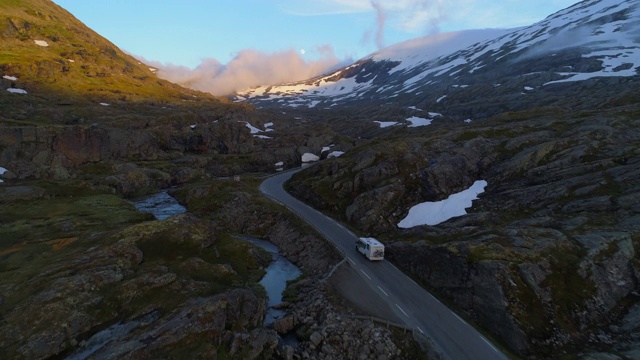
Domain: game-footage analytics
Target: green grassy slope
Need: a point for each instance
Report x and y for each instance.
(78, 64)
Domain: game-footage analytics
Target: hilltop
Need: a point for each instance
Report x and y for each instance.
(50, 52)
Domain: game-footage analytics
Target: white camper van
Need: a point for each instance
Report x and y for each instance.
(371, 248)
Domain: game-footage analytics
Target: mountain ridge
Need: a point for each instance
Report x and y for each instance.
(411, 78)
(51, 53)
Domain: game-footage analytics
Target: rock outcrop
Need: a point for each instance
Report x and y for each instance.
(146, 290)
(547, 257)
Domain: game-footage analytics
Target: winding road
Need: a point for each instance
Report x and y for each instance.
(453, 337)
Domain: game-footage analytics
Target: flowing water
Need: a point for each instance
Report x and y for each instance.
(162, 206)
(275, 279)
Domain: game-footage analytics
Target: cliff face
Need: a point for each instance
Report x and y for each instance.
(59, 152)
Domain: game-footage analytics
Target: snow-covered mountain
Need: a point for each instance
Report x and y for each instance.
(591, 39)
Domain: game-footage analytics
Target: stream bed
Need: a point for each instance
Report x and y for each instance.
(275, 279)
(162, 206)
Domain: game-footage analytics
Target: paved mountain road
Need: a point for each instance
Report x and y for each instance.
(453, 337)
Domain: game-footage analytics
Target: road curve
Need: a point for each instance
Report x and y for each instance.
(453, 337)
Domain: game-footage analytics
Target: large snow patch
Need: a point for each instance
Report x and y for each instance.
(433, 213)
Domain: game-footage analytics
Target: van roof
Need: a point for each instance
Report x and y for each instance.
(371, 241)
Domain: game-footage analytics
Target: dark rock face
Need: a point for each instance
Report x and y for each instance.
(327, 334)
(474, 287)
(373, 189)
(547, 257)
(115, 299)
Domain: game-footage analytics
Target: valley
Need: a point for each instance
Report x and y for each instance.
(544, 263)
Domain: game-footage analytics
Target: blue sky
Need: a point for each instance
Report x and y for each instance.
(199, 34)
(185, 32)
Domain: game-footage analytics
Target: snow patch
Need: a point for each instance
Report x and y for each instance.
(17, 91)
(528, 88)
(384, 124)
(309, 157)
(10, 78)
(416, 121)
(2, 171)
(441, 98)
(335, 154)
(253, 129)
(468, 121)
(263, 136)
(105, 104)
(41, 43)
(434, 213)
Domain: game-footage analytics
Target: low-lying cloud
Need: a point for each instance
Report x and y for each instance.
(249, 68)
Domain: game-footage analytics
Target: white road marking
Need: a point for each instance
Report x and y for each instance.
(418, 327)
(353, 262)
(488, 343)
(405, 314)
(365, 274)
(382, 291)
(459, 318)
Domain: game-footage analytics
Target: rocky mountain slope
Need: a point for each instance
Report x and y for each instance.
(546, 262)
(46, 50)
(548, 258)
(474, 74)
(84, 126)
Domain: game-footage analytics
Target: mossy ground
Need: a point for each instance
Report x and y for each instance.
(59, 228)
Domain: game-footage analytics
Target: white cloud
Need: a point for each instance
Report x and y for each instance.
(250, 68)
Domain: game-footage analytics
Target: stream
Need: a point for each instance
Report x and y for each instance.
(162, 206)
(275, 279)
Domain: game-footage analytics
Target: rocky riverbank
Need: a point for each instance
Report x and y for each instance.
(322, 330)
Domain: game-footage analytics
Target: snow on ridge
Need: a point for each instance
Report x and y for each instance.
(613, 43)
(434, 213)
(414, 52)
(611, 66)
